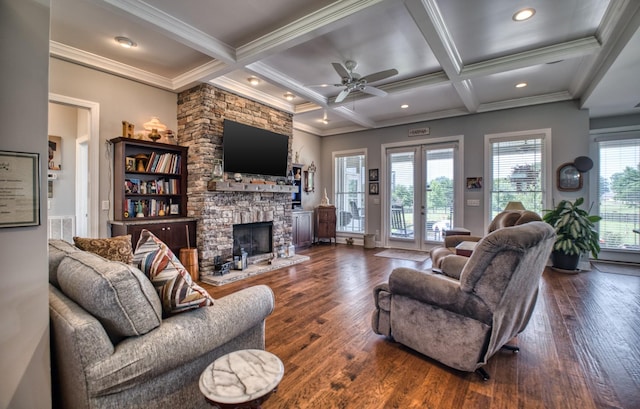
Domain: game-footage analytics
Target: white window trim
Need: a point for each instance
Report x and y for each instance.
(547, 167)
(332, 193)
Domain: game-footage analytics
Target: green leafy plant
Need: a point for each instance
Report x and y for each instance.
(575, 228)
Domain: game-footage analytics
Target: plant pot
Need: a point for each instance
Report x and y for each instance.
(565, 261)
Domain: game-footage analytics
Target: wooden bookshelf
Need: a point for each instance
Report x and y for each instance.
(150, 191)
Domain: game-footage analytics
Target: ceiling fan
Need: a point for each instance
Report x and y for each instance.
(352, 81)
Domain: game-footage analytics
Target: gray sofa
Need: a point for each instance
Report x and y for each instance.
(111, 348)
(463, 319)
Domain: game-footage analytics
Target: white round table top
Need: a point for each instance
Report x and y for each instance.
(241, 376)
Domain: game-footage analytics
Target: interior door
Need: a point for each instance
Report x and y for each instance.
(421, 188)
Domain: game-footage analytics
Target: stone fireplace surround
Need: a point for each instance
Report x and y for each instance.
(201, 112)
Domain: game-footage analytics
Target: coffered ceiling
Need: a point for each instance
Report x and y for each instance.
(453, 57)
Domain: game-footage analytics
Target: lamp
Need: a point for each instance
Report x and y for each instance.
(154, 126)
(514, 206)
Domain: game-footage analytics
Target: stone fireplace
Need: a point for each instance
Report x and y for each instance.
(201, 112)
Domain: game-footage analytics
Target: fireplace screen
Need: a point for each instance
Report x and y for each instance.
(254, 238)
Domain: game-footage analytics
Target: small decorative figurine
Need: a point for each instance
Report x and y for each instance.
(325, 199)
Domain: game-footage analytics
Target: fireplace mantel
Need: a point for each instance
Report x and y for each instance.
(248, 187)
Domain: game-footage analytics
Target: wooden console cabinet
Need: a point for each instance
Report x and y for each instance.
(172, 232)
(302, 229)
(325, 227)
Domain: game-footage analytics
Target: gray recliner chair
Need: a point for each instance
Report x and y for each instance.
(463, 319)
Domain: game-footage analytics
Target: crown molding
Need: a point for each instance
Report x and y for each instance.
(522, 102)
(75, 55)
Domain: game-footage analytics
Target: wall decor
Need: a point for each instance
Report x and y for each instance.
(474, 183)
(568, 178)
(373, 188)
(19, 189)
(55, 152)
(373, 175)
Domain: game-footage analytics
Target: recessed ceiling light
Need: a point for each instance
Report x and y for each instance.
(253, 81)
(404, 106)
(289, 96)
(524, 14)
(125, 42)
(521, 85)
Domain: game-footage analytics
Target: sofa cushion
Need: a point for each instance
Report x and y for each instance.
(113, 248)
(177, 290)
(58, 250)
(117, 294)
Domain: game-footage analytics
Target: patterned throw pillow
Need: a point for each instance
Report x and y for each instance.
(113, 248)
(177, 290)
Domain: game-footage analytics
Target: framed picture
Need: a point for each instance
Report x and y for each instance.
(55, 152)
(130, 164)
(373, 188)
(373, 175)
(569, 178)
(20, 187)
(174, 209)
(474, 183)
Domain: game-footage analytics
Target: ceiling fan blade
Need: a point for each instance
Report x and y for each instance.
(373, 91)
(380, 75)
(342, 72)
(323, 85)
(342, 95)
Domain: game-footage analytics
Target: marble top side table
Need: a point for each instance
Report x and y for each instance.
(241, 379)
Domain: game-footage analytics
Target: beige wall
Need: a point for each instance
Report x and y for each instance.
(120, 100)
(24, 313)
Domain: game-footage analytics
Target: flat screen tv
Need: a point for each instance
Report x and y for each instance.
(247, 149)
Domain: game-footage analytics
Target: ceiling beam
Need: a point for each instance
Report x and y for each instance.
(176, 29)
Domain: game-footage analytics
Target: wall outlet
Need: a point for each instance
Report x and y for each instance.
(473, 202)
(105, 205)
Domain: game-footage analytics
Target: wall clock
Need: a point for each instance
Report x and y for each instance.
(569, 178)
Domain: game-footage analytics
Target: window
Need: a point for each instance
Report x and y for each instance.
(350, 190)
(619, 193)
(517, 170)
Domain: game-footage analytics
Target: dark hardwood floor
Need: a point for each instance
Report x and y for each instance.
(581, 349)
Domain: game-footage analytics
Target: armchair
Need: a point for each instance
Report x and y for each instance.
(464, 322)
(503, 219)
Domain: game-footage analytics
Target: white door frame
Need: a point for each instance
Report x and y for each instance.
(94, 155)
(384, 180)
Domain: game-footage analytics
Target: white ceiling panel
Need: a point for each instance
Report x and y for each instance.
(483, 31)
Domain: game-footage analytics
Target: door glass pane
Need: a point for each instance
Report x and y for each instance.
(402, 165)
(439, 192)
(350, 193)
(619, 194)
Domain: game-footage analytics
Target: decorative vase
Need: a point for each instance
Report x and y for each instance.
(565, 261)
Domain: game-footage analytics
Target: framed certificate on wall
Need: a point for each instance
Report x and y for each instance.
(19, 189)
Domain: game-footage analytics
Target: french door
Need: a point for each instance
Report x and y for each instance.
(422, 188)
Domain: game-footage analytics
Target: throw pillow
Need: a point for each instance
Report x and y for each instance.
(113, 248)
(117, 294)
(177, 290)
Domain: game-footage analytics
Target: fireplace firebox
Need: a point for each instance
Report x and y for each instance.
(255, 238)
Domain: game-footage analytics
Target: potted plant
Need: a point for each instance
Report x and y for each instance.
(575, 233)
